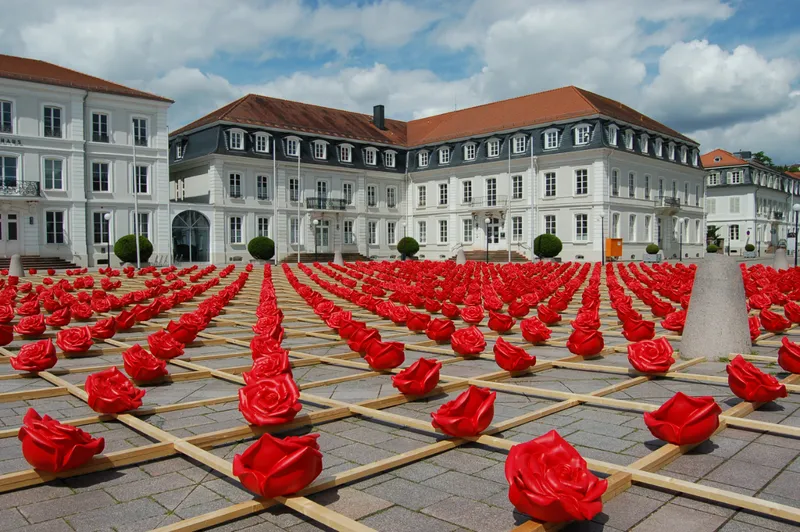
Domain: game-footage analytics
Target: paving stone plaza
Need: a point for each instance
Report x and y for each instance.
(168, 464)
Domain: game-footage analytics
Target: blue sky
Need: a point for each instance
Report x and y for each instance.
(726, 72)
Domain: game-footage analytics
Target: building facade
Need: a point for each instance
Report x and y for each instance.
(68, 142)
(566, 161)
(749, 202)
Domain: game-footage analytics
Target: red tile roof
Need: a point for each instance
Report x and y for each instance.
(534, 109)
(35, 71)
(794, 174)
(726, 159)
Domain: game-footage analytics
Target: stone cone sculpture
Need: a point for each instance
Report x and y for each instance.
(15, 268)
(716, 323)
(460, 257)
(337, 258)
(780, 261)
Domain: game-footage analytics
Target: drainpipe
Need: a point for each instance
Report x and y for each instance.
(509, 224)
(275, 199)
(534, 204)
(86, 171)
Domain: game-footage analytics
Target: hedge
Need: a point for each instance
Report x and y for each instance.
(125, 249)
(547, 246)
(408, 246)
(261, 248)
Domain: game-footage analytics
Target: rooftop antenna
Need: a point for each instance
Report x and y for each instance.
(455, 102)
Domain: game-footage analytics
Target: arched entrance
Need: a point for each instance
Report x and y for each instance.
(190, 237)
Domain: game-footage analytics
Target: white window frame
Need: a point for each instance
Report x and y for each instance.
(178, 149)
(372, 196)
(63, 162)
(581, 227)
(103, 223)
(349, 237)
(294, 183)
(389, 158)
(62, 120)
(146, 120)
(443, 188)
(629, 139)
(466, 192)
(467, 230)
(372, 232)
(261, 142)
(583, 134)
(235, 185)
(345, 153)
(7, 128)
(550, 178)
(684, 155)
(264, 183)
(517, 229)
(648, 228)
(632, 228)
(697, 195)
(137, 182)
(615, 223)
(671, 151)
(695, 158)
(443, 232)
(423, 159)
(138, 226)
(422, 231)
(613, 134)
(320, 151)
(370, 156)
(736, 177)
(391, 233)
(236, 139)
(444, 155)
(614, 188)
(295, 234)
(493, 148)
(713, 178)
(520, 143)
(109, 180)
(292, 146)
(552, 138)
(517, 190)
(632, 185)
(659, 144)
(470, 151)
(348, 197)
(644, 142)
(584, 190)
(646, 186)
(56, 234)
(550, 224)
(734, 228)
(261, 221)
(422, 195)
(391, 197)
(107, 115)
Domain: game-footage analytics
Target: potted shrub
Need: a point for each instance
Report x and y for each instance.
(712, 248)
(407, 247)
(749, 251)
(261, 248)
(547, 246)
(651, 253)
(125, 249)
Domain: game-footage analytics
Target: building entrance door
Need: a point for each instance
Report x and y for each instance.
(323, 231)
(10, 237)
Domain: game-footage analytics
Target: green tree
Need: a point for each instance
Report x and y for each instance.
(763, 158)
(712, 234)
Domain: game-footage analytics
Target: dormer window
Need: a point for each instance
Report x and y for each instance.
(320, 150)
(684, 154)
(444, 155)
(613, 132)
(695, 158)
(582, 135)
(671, 151)
(470, 151)
(629, 139)
(423, 158)
(493, 148)
(713, 178)
(388, 158)
(659, 148)
(644, 143)
(293, 147)
(236, 139)
(179, 150)
(551, 139)
(519, 144)
(262, 142)
(370, 156)
(345, 153)
(717, 159)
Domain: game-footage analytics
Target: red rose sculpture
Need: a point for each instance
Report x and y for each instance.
(272, 466)
(534, 330)
(50, 446)
(29, 308)
(419, 378)
(760, 301)
(468, 414)
(35, 356)
(105, 328)
(418, 321)
(518, 309)
(774, 322)
(349, 327)
(164, 345)
(182, 332)
(59, 318)
(6, 334)
(82, 311)
(75, 339)
(6, 313)
(755, 327)
(661, 308)
(270, 401)
(472, 314)
(510, 357)
(263, 345)
(268, 365)
(549, 480)
(111, 392)
(789, 355)
(638, 330)
(675, 321)
(468, 342)
(142, 366)
(651, 356)
(500, 323)
(548, 315)
(585, 342)
(31, 326)
(450, 311)
(440, 330)
(125, 320)
(385, 355)
(749, 383)
(792, 311)
(684, 420)
(361, 338)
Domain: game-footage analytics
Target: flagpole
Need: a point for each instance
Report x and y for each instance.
(299, 197)
(509, 224)
(135, 200)
(275, 199)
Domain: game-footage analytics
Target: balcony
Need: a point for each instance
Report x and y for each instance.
(668, 205)
(99, 137)
(326, 204)
(486, 203)
(23, 189)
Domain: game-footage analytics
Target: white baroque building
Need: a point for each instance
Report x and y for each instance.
(68, 142)
(491, 177)
(748, 201)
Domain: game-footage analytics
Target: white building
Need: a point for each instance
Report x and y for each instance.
(748, 201)
(565, 161)
(67, 143)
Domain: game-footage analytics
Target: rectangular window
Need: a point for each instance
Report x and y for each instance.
(581, 227)
(615, 225)
(262, 144)
(262, 226)
(631, 185)
(516, 228)
(423, 158)
(235, 182)
(516, 187)
(686, 193)
(422, 196)
(319, 150)
(345, 154)
(582, 135)
(444, 156)
(550, 184)
(8, 171)
(647, 187)
(466, 230)
(141, 183)
(629, 140)
(372, 230)
(442, 193)
(422, 232)
(674, 189)
(660, 188)
(52, 122)
(581, 182)
(551, 140)
(466, 192)
(659, 147)
(54, 226)
(369, 156)
(294, 231)
(711, 206)
(469, 152)
(294, 189)
(292, 147)
(734, 205)
(53, 174)
(391, 235)
(349, 237)
(614, 182)
(697, 195)
(236, 140)
(347, 191)
(100, 228)
(140, 132)
(713, 178)
(6, 117)
(143, 227)
(658, 232)
(647, 235)
(443, 231)
(734, 232)
(391, 197)
(632, 228)
(519, 144)
(388, 159)
(550, 224)
(264, 187)
(236, 230)
(178, 150)
(491, 192)
(100, 127)
(100, 178)
(372, 196)
(736, 177)
(493, 148)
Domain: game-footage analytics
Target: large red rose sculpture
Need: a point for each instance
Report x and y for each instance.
(59, 318)
(500, 323)
(468, 342)
(518, 309)
(534, 330)
(472, 314)
(651, 356)
(50, 446)
(385, 355)
(142, 366)
(418, 321)
(548, 315)
(35, 356)
(359, 341)
(419, 378)
(549, 480)
(510, 357)
(6, 334)
(789, 355)
(749, 383)
(440, 330)
(792, 311)
(111, 392)
(273, 466)
(105, 328)
(268, 365)
(74, 339)
(164, 345)
(469, 414)
(684, 420)
(183, 332)
(263, 345)
(31, 326)
(638, 330)
(125, 320)
(755, 327)
(270, 401)
(774, 322)
(585, 342)
(675, 321)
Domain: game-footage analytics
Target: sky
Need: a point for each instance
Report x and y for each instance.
(724, 72)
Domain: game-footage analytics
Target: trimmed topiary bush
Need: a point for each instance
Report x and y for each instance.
(652, 249)
(125, 249)
(547, 246)
(408, 246)
(749, 247)
(712, 248)
(261, 248)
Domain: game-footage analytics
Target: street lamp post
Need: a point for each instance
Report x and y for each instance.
(487, 221)
(316, 237)
(680, 241)
(602, 239)
(796, 209)
(107, 217)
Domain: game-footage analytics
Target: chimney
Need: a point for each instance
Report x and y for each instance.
(377, 117)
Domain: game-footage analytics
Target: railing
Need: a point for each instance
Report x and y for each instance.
(140, 141)
(326, 204)
(97, 137)
(778, 215)
(5, 128)
(263, 196)
(669, 201)
(26, 188)
(487, 202)
(54, 132)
